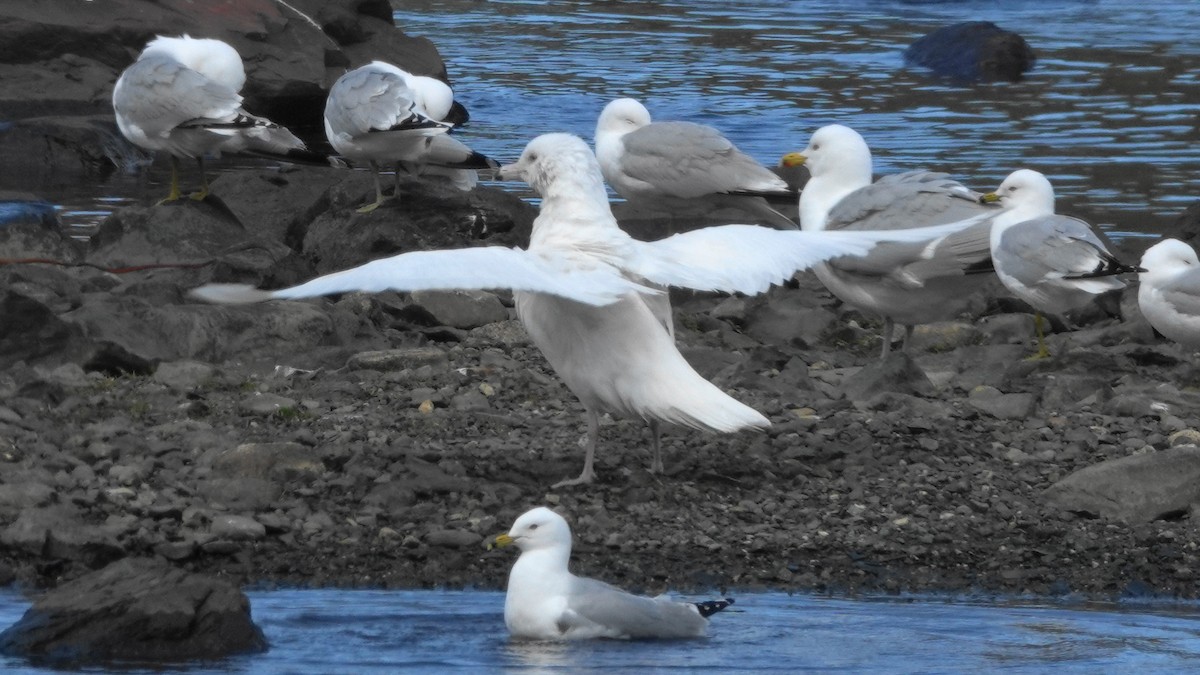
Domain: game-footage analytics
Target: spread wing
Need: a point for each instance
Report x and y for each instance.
(487, 267)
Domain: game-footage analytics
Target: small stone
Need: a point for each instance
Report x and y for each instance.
(237, 528)
(426, 407)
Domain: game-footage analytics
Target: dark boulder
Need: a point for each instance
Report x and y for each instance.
(1185, 227)
(897, 373)
(136, 610)
(973, 51)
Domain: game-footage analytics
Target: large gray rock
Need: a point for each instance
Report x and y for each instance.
(1136, 489)
(136, 610)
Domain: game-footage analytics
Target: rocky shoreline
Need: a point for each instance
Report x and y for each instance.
(380, 440)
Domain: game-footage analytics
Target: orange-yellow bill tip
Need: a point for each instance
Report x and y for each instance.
(500, 541)
(793, 159)
(989, 198)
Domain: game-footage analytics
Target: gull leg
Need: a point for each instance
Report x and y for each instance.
(589, 472)
(908, 331)
(174, 194)
(888, 327)
(379, 198)
(396, 191)
(1042, 351)
(656, 463)
(202, 193)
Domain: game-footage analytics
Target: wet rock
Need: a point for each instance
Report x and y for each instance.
(32, 330)
(461, 309)
(262, 404)
(136, 610)
(429, 215)
(239, 493)
(973, 50)
(898, 373)
(1135, 489)
(58, 532)
(398, 359)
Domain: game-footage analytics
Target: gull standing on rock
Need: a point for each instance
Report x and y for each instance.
(588, 295)
(379, 113)
(181, 96)
(1169, 291)
(545, 601)
(1055, 263)
(681, 165)
(908, 284)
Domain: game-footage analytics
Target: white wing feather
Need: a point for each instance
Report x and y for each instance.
(749, 258)
(553, 273)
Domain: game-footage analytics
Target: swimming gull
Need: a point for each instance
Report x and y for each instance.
(907, 284)
(545, 601)
(587, 292)
(1169, 291)
(1055, 263)
(181, 96)
(681, 166)
(381, 114)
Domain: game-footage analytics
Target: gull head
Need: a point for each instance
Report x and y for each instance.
(1025, 190)
(836, 151)
(214, 59)
(537, 529)
(1168, 258)
(622, 116)
(553, 164)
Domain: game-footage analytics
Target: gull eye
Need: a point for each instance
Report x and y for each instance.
(533, 156)
(816, 146)
(533, 526)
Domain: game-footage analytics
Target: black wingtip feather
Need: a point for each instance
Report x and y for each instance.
(710, 607)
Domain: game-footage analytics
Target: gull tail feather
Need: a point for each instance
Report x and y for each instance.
(706, 408)
(710, 607)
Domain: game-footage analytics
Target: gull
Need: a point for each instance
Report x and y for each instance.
(378, 113)
(907, 284)
(545, 601)
(1055, 263)
(681, 165)
(181, 96)
(590, 295)
(1169, 291)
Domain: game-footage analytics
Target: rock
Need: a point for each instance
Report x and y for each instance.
(898, 373)
(59, 532)
(1135, 489)
(265, 403)
(239, 493)
(782, 316)
(136, 610)
(398, 359)
(18, 497)
(993, 402)
(1186, 226)
(453, 538)
(27, 231)
(270, 461)
(944, 336)
(971, 51)
(237, 528)
(461, 309)
(184, 375)
(32, 330)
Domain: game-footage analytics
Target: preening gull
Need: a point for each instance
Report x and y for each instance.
(1055, 263)
(907, 284)
(181, 96)
(681, 165)
(546, 602)
(587, 292)
(1169, 291)
(381, 114)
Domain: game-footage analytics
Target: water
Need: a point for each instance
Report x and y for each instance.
(1111, 112)
(328, 631)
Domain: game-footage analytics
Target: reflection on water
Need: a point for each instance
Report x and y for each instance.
(338, 631)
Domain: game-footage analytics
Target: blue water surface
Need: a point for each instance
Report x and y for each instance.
(360, 631)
